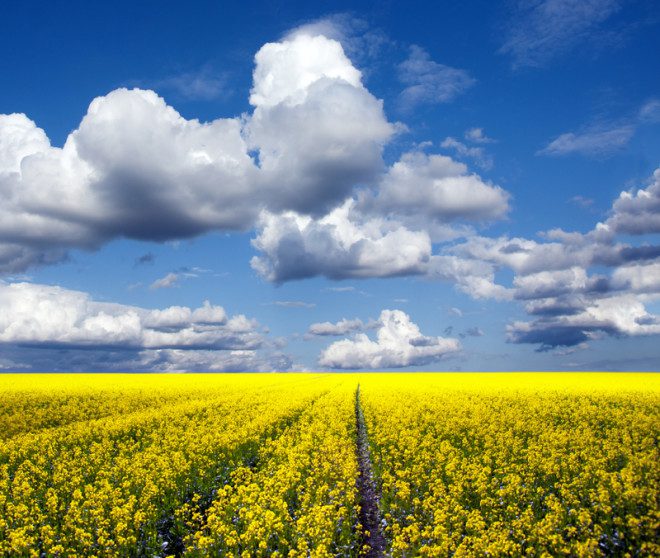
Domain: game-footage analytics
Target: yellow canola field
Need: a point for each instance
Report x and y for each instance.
(517, 464)
(265, 464)
(104, 483)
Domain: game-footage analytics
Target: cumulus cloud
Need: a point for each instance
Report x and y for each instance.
(539, 31)
(637, 278)
(136, 168)
(472, 276)
(398, 343)
(295, 246)
(386, 231)
(53, 329)
(319, 132)
(637, 212)
(438, 188)
(575, 286)
(42, 315)
(616, 315)
(428, 82)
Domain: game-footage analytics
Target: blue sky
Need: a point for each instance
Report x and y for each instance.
(330, 186)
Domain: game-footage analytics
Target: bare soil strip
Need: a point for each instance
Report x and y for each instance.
(369, 496)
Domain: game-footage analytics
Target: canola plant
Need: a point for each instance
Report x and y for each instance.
(266, 464)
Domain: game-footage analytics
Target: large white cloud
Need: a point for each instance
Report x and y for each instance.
(318, 131)
(42, 315)
(136, 168)
(285, 70)
(384, 231)
(398, 343)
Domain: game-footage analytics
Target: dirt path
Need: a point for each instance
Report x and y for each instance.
(369, 497)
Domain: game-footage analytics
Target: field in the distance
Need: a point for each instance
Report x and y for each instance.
(267, 464)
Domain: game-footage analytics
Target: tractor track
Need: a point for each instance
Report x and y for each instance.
(372, 535)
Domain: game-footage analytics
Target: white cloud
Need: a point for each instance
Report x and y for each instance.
(428, 82)
(19, 138)
(319, 132)
(604, 138)
(359, 41)
(285, 70)
(472, 276)
(638, 278)
(41, 315)
(336, 246)
(615, 315)
(136, 168)
(636, 212)
(9, 365)
(437, 188)
(526, 256)
(544, 284)
(570, 303)
(399, 343)
(385, 232)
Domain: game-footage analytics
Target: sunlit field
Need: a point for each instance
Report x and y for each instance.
(267, 464)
